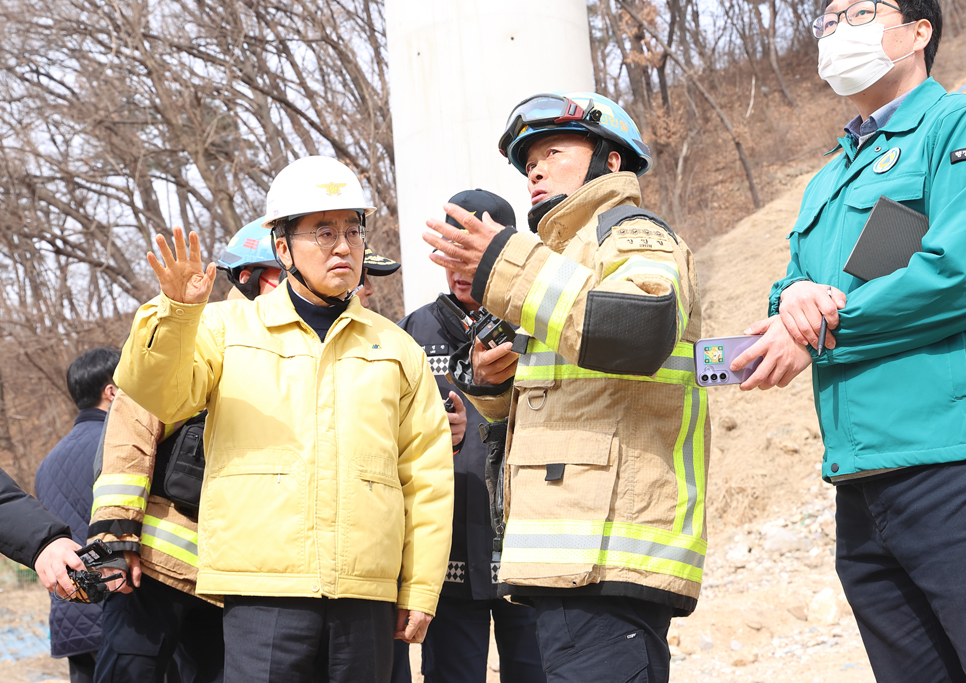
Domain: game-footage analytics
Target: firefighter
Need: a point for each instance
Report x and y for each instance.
(609, 434)
(376, 266)
(250, 263)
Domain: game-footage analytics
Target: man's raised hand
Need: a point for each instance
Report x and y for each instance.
(182, 276)
(461, 251)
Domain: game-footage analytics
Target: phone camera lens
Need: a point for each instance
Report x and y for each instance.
(704, 378)
(714, 378)
(723, 376)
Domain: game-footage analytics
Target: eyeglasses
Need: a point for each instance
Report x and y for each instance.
(326, 238)
(857, 14)
(544, 110)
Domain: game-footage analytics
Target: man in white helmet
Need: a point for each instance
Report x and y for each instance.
(328, 463)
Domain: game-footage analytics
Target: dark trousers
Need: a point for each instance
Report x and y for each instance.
(82, 667)
(402, 671)
(303, 640)
(143, 629)
(613, 639)
(458, 641)
(901, 557)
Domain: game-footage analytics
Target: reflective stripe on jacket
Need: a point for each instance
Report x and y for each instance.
(165, 539)
(610, 435)
(329, 467)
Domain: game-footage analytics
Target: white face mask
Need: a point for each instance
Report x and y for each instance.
(852, 59)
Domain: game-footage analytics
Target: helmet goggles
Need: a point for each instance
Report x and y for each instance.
(544, 110)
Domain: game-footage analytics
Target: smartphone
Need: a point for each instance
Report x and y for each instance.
(713, 356)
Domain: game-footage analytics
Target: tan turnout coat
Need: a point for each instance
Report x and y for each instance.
(629, 507)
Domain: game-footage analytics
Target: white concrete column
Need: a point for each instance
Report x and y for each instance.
(457, 68)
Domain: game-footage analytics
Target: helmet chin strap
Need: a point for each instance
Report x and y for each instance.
(598, 160)
(541, 209)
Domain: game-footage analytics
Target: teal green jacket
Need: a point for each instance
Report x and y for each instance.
(892, 393)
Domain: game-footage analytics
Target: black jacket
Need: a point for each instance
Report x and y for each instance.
(26, 527)
(471, 574)
(65, 485)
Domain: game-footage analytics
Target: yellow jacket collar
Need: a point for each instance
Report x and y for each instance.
(276, 308)
(592, 199)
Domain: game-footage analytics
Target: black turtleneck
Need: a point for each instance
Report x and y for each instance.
(319, 318)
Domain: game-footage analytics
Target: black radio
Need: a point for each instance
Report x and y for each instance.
(490, 330)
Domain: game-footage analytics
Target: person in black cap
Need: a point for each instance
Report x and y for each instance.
(375, 265)
(457, 642)
(380, 266)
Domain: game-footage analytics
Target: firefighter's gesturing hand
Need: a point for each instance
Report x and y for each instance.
(493, 366)
(411, 625)
(182, 276)
(52, 562)
(461, 251)
(782, 358)
(457, 419)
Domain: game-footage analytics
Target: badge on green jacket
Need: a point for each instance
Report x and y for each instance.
(887, 160)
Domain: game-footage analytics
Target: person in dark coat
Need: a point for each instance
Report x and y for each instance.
(457, 642)
(65, 482)
(32, 536)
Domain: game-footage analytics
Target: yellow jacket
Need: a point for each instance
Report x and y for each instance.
(125, 515)
(328, 466)
(609, 439)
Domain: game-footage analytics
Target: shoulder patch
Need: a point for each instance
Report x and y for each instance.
(957, 156)
(642, 239)
(611, 218)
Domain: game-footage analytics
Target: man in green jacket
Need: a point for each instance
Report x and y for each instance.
(890, 383)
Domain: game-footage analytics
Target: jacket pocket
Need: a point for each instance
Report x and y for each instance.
(957, 363)
(905, 187)
(807, 216)
(368, 386)
(558, 521)
(253, 515)
(589, 457)
(372, 536)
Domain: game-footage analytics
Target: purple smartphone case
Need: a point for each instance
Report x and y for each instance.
(713, 356)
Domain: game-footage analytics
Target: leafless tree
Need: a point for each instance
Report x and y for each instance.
(120, 120)
(769, 34)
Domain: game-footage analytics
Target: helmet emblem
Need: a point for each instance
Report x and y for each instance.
(251, 244)
(333, 189)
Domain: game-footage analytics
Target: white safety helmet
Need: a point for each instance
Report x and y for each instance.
(312, 184)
